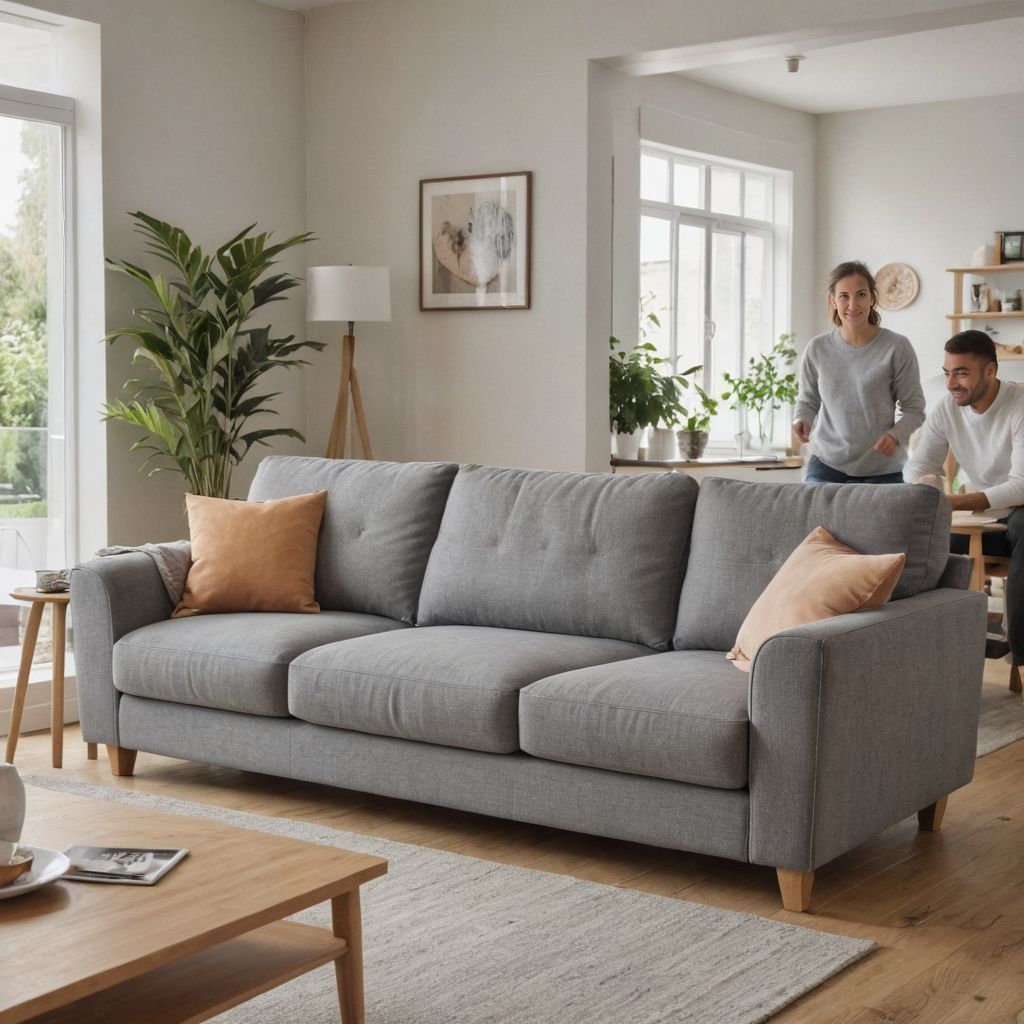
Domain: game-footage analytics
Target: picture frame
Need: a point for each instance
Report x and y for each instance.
(475, 241)
(1009, 247)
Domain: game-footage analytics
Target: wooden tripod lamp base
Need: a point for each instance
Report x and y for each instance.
(349, 383)
(344, 295)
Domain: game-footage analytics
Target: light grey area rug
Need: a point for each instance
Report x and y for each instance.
(451, 939)
(1002, 718)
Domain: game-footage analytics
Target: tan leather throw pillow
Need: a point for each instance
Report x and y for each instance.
(252, 556)
(821, 578)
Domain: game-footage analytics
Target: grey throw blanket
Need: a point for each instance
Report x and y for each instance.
(173, 559)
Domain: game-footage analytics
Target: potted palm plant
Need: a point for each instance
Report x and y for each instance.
(194, 410)
(764, 387)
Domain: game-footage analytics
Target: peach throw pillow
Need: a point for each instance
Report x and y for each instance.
(252, 556)
(821, 578)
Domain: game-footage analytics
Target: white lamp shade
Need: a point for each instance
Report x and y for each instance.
(348, 293)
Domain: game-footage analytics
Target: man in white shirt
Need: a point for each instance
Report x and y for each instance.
(981, 418)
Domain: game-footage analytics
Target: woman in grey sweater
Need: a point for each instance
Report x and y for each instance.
(860, 389)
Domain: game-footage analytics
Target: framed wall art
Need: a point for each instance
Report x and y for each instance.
(475, 242)
(1009, 246)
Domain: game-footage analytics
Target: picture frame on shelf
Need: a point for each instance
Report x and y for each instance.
(1009, 247)
(475, 241)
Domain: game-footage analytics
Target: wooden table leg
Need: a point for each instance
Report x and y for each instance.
(977, 563)
(59, 621)
(347, 924)
(28, 649)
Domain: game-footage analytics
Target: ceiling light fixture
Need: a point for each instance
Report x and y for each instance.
(793, 63)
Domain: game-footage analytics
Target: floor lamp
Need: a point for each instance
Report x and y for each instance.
(345, 295)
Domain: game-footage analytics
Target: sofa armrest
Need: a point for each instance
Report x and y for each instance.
(109, 597)
(859, 721)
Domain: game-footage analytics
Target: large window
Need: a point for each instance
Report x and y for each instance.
(36, 351)
(714, 264)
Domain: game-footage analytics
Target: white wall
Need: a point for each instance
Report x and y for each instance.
(924, 185)
(400, 90)
(202, 125)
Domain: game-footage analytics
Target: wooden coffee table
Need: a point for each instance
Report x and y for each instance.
(208, 936)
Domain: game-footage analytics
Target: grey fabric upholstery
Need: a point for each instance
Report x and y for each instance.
(860, 720)
(680, 715)
(109, 598)
(547, 595)
(957, 574)
(514, 786)
(453, 685)
(743, 532)
(585, 554)
(380, 522)
(237, 661)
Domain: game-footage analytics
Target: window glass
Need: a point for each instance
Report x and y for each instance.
(654, 178)
(690, 303)
(686, 187)
(756, 297)
(656, 282)
(757, 196)
(725, 191)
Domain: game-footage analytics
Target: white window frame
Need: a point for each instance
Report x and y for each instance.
(776, 233)
(50, 108)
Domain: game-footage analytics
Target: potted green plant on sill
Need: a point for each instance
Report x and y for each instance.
(692, 436)
(193, 412)
(640, 394)
(764, 387)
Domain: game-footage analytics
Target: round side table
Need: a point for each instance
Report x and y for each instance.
(59, 605)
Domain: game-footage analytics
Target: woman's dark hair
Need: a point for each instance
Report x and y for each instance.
(975, 343)
(845, 270)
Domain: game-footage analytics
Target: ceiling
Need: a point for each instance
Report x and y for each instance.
(959, 62)
(962, 52)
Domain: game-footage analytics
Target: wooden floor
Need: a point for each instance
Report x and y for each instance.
(946, 908)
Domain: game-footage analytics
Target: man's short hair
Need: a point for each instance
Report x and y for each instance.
(975, 343)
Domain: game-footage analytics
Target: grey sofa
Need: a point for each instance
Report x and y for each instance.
(548, 647)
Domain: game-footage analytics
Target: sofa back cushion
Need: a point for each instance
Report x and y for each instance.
(380, 522)
(743, 532)
(576, 553)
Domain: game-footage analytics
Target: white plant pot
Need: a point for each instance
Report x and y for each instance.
(627, 446)
(661, 445)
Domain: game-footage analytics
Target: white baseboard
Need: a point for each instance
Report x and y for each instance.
(36, 715)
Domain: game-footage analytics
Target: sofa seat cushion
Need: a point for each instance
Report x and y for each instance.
(452, 685)
(235, 662)
(680, 715)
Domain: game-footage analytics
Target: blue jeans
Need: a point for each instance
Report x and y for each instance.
(816, 472)
(1006, 545)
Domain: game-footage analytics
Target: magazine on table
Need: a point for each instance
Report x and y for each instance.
(122, 865)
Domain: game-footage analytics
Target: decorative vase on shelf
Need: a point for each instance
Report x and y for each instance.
(692, 443)
(12, 810)
(627, 446)
(762, 440)
(661, 445)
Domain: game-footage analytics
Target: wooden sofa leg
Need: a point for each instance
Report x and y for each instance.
(122, 760)
(795, 887)
(1015, 684)
(929, 819)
